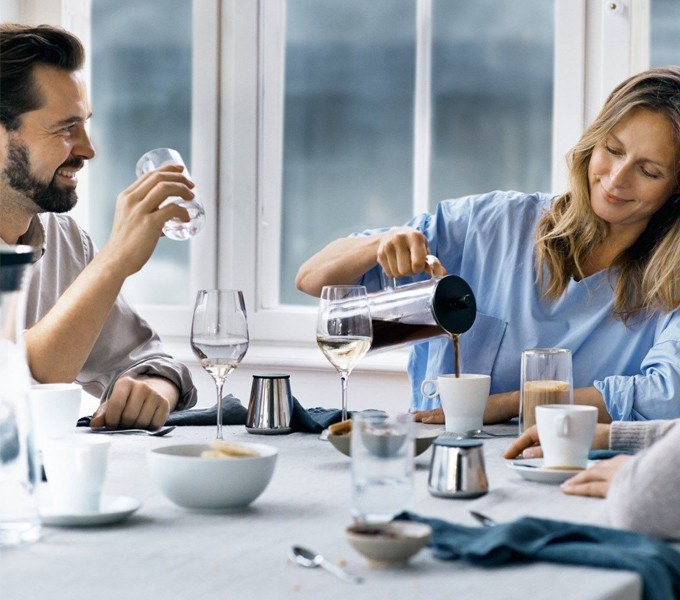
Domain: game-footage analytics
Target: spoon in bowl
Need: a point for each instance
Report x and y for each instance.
(309, 559)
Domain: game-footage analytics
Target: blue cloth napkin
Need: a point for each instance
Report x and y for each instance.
(528, 539)
(602, 454)
(312, 420)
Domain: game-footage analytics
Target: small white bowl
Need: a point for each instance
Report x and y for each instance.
(388, 544)
(210, 483)
(423, 441)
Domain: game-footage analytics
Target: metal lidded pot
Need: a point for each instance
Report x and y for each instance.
(457, 468)
(270, 408)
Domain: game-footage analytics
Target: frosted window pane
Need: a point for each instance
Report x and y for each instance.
(665, 33)
(348, 132)
(141, 98)
(492, 81)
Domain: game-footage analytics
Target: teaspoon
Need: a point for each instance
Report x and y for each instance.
(483, 519)
(309, 559)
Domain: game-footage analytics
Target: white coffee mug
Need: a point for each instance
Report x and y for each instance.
(463, 400)
(75, 466)
(54, 410)
(566, 434)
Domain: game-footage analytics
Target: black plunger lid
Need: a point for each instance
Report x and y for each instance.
(454, 305)
(13, 262)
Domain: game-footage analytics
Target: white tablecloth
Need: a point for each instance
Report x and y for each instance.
(166, 552)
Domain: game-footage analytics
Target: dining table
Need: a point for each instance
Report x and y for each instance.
(164, 551)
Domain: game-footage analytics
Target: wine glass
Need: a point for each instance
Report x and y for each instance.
(219, 336)
(343, 329)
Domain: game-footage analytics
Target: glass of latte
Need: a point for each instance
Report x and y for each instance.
(545, 379)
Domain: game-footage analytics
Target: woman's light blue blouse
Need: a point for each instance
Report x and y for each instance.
(489, 241)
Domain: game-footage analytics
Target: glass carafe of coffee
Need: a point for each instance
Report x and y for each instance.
(19, 521)
(411, 313)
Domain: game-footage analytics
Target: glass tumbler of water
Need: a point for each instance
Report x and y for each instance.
(175, 229)
(382, 449)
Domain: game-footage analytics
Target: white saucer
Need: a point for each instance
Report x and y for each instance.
(112, 510)
(532, 470)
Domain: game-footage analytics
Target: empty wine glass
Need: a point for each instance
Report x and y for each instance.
(343, 329)
(219, 336)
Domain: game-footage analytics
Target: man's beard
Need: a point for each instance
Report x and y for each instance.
(48, 196)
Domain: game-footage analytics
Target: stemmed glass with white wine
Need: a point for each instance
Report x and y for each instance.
(343, 329)
(219, 336)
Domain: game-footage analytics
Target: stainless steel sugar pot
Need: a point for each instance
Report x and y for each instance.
(270, 408)
(457, 468)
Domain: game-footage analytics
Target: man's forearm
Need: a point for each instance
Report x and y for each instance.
(58, 345)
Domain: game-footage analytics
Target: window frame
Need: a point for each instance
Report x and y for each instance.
(237, 139)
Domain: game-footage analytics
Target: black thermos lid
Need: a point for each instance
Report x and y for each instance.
(454, 305)
(13, 263)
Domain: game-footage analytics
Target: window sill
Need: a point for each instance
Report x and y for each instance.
(295, 356)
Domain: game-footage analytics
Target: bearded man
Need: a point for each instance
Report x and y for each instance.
(79, 327)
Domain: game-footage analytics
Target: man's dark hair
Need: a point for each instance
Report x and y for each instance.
(21, 48)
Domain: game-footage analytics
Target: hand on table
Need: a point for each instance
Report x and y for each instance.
(596, 480)
(499, 408)
(527, 445)
(143, 402)
(429, 416)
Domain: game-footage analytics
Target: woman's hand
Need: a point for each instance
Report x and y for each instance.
(499, 408)
(430, 417)
(402, 251)
(527, 445)
(596, 480)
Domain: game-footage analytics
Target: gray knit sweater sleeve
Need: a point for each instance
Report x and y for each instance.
(643, 494)
(637, 435)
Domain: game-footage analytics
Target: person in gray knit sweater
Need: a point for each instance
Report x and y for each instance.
(640, 490)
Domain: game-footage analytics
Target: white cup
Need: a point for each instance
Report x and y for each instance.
(75, 466)
(463, 400)
(566, 433)
(54, 410)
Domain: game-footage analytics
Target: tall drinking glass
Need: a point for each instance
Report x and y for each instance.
(545, 379)
(174, 229)
(219, 336)
(343, 329)
(382, 466)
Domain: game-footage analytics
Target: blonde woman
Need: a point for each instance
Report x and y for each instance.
(595, 270)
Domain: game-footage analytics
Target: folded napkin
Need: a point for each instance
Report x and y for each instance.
(529, 539)
(312, 420)
(233, 413)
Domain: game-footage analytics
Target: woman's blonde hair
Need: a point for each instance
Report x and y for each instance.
(648, 272)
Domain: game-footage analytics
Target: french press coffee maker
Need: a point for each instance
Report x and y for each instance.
(414, 312)
(19, 520)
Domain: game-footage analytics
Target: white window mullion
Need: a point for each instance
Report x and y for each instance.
(270, 150)
(205, 151)
(422, 107)
(238, 160)
(617, 46)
